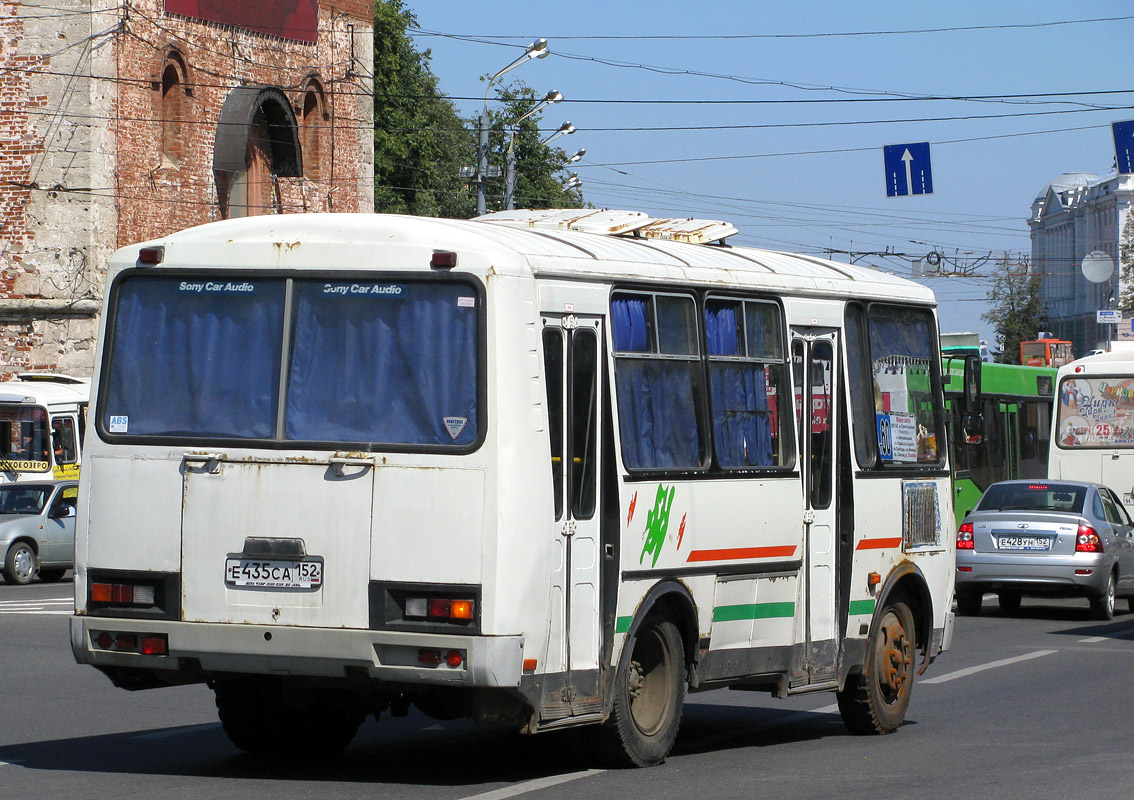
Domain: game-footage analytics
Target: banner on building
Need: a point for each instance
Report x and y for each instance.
(297, 20)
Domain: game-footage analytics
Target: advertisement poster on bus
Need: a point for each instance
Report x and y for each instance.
(1096, 412)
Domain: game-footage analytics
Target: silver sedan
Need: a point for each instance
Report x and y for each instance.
(37, 530)
(1051, 538)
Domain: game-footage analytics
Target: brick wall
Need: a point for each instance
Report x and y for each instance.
(82, 169)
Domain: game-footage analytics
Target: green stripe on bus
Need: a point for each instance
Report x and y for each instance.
(753, 611)
(858, 607)
(622, 624)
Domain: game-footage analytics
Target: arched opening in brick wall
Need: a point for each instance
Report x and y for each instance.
(173, 107)
(314, 129)
(257, 142)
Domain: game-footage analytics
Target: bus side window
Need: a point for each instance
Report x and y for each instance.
(63, 440)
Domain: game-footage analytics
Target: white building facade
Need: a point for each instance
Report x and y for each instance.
(1079, 213)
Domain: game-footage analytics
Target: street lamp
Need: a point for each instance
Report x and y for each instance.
(562, 130)
(537, 49)
(573, 181)
(582, 151)
(554, 96)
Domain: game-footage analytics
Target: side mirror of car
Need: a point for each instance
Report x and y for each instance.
(61, 512)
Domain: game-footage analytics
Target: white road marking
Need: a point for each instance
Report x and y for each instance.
(1004, 662)
(517, 789)
(36, 612)
(1111, 635)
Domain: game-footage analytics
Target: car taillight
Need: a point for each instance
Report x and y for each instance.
(1088, 540)
(965, 536)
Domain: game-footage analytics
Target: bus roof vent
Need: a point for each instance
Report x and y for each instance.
(48, 377)
(588, 220)
(611, 222)
(693, 231)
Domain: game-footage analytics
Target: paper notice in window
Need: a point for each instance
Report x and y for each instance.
(903, 434)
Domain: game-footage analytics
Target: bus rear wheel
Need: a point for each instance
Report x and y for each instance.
(261, 718)
(649, 691)
(875, 700)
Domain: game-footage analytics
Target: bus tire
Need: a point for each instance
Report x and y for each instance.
(20, 564)
(649, 692)
(875, 700)
(51, 575)
(257, 718)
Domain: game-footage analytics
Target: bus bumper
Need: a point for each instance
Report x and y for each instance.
(198, 650)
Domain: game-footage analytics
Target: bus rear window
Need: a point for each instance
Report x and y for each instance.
(1095, 412)
(367, 362)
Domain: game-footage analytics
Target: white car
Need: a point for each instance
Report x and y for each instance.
(37, 529)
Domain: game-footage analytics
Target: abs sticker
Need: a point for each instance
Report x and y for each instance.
(455, 425)
(119, 424)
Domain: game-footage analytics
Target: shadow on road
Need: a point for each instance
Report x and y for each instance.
(412, 751)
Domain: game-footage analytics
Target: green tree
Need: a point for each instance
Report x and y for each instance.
(540, 176)
(1016, 313)
(420, 141)
(1126, 265)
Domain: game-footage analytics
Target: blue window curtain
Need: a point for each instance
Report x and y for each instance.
(394, 367)
(742, 430)
(630, 318)
(657, 398)
(187, 360)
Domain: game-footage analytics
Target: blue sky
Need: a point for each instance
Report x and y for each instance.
(809, 176)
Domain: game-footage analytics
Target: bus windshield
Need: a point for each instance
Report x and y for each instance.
(367, 362)
(24, 439)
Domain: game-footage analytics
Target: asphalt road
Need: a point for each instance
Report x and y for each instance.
(1037, 705)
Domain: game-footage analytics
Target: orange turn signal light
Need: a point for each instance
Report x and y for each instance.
(461, 609)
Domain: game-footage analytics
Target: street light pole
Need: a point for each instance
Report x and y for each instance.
(554, 96)
(537, 49)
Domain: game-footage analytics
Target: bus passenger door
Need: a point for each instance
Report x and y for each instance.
(815, 372)
(572, 366)
(1010, 413)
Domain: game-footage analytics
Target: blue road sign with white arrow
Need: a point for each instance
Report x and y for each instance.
(1124, 145)
(907, 169)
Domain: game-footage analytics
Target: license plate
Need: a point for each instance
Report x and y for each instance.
(1023, 542)
(274, 573)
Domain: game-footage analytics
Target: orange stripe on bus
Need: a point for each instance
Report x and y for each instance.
(742, 552)
(879, 544)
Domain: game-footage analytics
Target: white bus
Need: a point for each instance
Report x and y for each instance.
(1093, 429)
(43, 419)
(540, 469)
